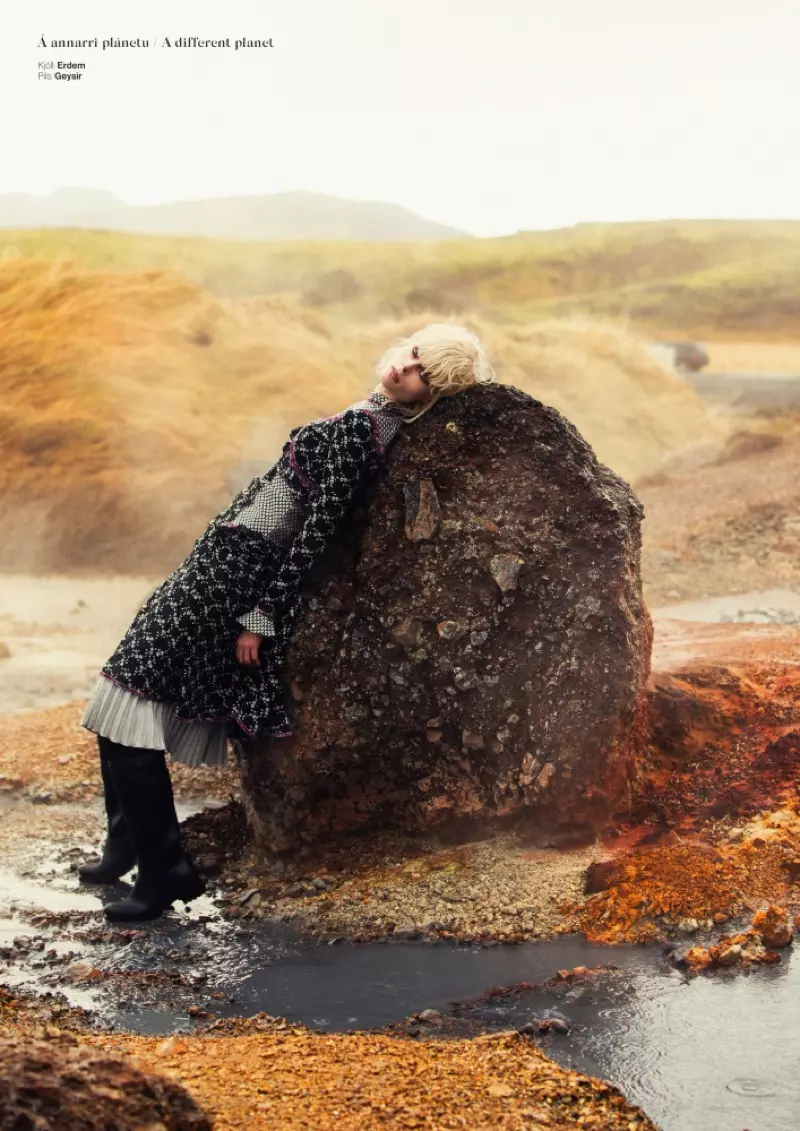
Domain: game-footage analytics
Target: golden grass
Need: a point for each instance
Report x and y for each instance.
(127, 397)
(704, 278)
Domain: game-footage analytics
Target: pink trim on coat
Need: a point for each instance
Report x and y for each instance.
(309, 484)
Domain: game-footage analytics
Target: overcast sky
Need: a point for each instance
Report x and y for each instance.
(490, 115)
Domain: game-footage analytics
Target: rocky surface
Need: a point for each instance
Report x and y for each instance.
(296, 1079)
(389, 886)
(48, 757)
(477, 649)
(59, 1083)
(266, 1074)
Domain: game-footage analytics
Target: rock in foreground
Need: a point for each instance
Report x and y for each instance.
(476, 648)
(54, 1084)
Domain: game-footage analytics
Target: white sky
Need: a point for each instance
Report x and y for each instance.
(490, 115)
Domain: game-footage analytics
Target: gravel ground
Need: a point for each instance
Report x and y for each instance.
(277, 1076)
(48, 756)
(285, 1078)
(384, 886)
(494, 888)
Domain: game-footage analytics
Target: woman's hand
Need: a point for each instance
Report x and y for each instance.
(247, 648)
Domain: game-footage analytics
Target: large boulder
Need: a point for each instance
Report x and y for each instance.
(477, 645)
(63, 1085)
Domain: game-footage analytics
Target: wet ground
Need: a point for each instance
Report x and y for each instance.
(765, 606)
(698, 1052)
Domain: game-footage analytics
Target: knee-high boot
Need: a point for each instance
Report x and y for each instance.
(119, 854)
(165, 870)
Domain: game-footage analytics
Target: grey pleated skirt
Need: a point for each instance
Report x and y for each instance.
(132, 720)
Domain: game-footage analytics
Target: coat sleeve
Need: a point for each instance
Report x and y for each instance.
(257, 620)
(347, 464)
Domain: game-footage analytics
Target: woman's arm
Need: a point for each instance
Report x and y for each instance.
(348, 460)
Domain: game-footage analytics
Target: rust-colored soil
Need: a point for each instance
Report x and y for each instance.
(274, 1076)
(713, 830)
(653, 888)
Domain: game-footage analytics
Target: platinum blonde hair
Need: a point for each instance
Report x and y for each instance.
(453, 359)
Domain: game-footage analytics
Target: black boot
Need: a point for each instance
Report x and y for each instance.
(166, 872)
(119, 855)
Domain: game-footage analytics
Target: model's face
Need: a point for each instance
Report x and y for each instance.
(401, 375)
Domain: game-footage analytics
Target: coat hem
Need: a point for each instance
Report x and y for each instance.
(197, 718)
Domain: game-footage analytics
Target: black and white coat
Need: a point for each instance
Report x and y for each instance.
(174, 679)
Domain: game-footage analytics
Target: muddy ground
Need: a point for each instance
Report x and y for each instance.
(710, 839)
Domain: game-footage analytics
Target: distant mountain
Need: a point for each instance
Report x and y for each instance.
(279, 216)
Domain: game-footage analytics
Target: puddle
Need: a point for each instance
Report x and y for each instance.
(698, 1054)
(769, 606)
(707, 1054)
(370, 985)
(11, 929)
(22, 893)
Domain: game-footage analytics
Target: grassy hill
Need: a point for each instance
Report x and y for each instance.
(705, 279)
(127, 397)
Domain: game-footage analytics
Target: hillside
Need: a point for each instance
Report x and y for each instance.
(277, 216)
(704, 279)
(128, 397)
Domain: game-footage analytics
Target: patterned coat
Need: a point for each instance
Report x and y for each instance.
(250, 568)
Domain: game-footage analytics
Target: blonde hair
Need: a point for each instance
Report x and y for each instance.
(453, 359)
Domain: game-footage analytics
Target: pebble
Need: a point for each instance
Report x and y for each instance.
(730, 956)
(431, 1017)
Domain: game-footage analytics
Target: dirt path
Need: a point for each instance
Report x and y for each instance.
(727, 527)
(55, 632)
(748, 391)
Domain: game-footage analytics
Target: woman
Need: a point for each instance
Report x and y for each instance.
(201, 662)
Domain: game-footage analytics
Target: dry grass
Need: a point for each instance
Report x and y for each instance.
(684, 278)
(601, 377)
(127, 397)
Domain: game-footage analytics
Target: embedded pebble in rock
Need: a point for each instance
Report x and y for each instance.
(730, 955)
(689, 926)
(431, 1017)
(505, 568)
(741, 950)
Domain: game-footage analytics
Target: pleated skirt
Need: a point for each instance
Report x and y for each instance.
(134, 720)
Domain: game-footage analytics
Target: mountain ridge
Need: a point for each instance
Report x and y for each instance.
(297, 215)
